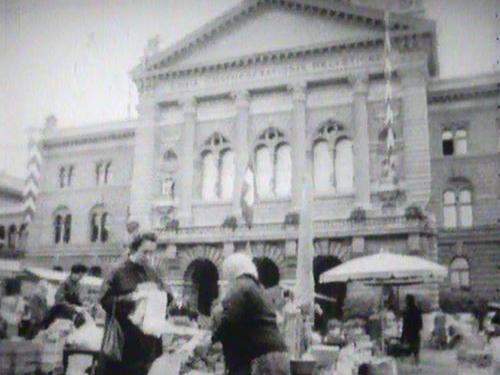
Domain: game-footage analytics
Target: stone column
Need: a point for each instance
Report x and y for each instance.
(242, 146)
(142, 186)
(361, 141)
(187, 161)
(299, 142)
(417, 168)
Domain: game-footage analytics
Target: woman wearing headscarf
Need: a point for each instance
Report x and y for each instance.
(119, 297)
(246, 327)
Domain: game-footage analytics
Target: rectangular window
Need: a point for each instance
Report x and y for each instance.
(448, 146)
(461, 142)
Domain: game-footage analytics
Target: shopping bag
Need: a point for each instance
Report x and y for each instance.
(113, 340)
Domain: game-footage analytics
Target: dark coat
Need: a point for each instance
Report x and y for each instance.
(69, 292)
(247, 327)
(412, 325)
(140, 350)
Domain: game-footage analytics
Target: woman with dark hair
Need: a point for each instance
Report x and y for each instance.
(412, 325)
(119, 299)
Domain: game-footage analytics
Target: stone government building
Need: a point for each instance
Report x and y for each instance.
(293, 85)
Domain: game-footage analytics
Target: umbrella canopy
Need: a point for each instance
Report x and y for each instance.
(386, 268)
(59, 276)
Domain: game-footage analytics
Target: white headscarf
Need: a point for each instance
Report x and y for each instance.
(236, 265)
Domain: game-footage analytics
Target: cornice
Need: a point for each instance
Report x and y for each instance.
(326, 8)
(84, 139)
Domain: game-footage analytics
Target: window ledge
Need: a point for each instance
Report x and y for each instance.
(333, 195)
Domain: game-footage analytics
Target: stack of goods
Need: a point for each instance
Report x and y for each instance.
(205, 359)
(52, 341)
(19, 357)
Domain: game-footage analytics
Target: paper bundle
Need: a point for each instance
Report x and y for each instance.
(151, 309)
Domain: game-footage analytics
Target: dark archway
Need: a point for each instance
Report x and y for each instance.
(203, 276)
(269, 273)
(331, 310)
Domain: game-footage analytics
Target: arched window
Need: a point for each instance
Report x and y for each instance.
(62, 176)
(218, 169)
(264, 172)
(457, 205)
(333, 159)
(62, 225)
(67, 228)
(283, 170)
(449, 209)
(465, 208)
(459, 273)
(99, 222)
(70, 175)
(273, 161)
(209, 187)
(344, 171)
(227, 174)
(107, 173)
(11, 239)
(323, 167)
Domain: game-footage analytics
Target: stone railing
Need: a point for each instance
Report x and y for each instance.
(278, 231)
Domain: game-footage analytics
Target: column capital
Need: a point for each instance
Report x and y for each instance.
(188, 104)
(241, 98)
(359, 82)
(298, 91)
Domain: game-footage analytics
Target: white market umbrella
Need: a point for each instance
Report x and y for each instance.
(387, 268)
(60, 276)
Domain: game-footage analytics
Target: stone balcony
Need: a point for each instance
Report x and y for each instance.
(339, 228)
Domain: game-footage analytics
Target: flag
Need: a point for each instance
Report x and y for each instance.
(247, 200)
(304, 283)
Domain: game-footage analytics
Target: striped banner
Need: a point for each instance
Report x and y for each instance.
(32, 182)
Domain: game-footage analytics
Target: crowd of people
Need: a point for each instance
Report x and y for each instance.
(244, 319)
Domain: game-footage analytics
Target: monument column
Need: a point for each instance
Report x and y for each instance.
(187, 161)
(141, 194)
(299, 142)
(361, 144)
(417, 169)
(242, 144)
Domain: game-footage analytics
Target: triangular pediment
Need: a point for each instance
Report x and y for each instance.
(257, 27)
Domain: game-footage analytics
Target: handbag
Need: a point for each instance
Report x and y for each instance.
(112, 340)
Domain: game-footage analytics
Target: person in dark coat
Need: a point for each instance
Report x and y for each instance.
(246, 326)
(140, 350)
(412, 325)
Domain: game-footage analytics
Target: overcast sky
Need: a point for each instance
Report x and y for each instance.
(72, 57)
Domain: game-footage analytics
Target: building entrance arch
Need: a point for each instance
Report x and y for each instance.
(201, 279)
(337, 291)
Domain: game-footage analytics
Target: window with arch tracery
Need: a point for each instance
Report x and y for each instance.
(333, 164)
(460, 273)
(273, 165)
(62, 226)
(65, 176)
(99, 222)
(457, 207)
(218, 169)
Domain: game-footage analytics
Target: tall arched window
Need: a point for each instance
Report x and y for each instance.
(227, 174)
(344, 171)
(449, 209)
(209, 187)
(283, 170)
(460, 273)
(323, 167)
(457, 204)
(11, 239)
(273, 161)
(62, 225)
(333, 159)
(217, 169)
(2, 236)
(99, 224)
